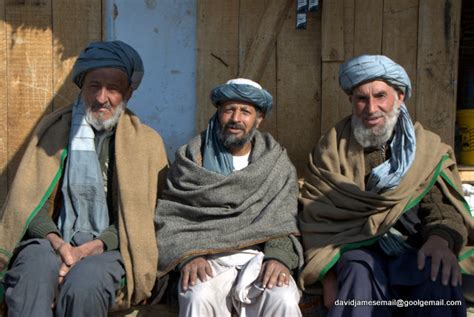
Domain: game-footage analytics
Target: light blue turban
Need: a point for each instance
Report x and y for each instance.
(245, 90)
(365, 68)
(115, 54)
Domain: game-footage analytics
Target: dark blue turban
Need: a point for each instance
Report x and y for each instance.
(365, 68)
(245, 90)
(115, 54)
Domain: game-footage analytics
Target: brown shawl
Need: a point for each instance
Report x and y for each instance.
(140, 163)
(340, 215)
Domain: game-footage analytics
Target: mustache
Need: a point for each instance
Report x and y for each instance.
(232, 125)
(96, 106)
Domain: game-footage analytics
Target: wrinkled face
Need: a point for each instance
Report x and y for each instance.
(372, 100)
(238, 121)
(105, 92)
(376, 107)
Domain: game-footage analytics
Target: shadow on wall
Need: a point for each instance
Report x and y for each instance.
(42, 39)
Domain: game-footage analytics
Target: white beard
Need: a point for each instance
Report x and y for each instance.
(96, 121)
(376, 136)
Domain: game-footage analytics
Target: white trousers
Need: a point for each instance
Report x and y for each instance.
(222, 293)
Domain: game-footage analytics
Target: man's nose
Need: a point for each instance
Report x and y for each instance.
(101, 95)
(236, 116)
(371, 106)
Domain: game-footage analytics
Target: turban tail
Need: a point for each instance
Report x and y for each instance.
(366, 68)
(260, 98)
(115, 54)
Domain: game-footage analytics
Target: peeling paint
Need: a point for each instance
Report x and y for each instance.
(155, 30)
(175, 72)
(150, 4)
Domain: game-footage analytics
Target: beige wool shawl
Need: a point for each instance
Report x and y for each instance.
(141, 163)
(340, 215)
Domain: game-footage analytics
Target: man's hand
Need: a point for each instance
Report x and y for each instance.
(274, 273)
(198, 267)
(71, 255)
(437, 248)
(329, 289)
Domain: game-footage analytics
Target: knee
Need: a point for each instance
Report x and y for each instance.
(38, 259)
(198, 295)
(353, 270)
(284, 295)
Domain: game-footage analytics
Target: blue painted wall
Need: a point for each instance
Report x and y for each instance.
(164, 33)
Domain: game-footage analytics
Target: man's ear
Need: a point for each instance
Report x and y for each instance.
(129, 93)
(401, 96)
(260, 117)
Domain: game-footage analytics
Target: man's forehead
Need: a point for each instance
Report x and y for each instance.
(375, 86)
(239, 104)
(106, 73)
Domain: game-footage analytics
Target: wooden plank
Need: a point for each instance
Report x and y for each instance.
(68, 18)
(368, 27)
(335, 103)
(438, 43)
(251, 12)
(349, 17)
(217, 51)
(332, 31)
(29, 60)
(299, 87)
(263, 41)
(400, 39)
(3, 107)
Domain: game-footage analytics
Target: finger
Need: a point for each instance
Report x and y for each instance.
(455, 275)
(435, 263)
(421, 259)
(184, 279)
(446, 271)
(282, 279)
(209, 270)
(193, 276)
(273, 278)
(202, 274)
(267, 274)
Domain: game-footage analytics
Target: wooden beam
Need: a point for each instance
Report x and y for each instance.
(332, 31)
(217, 51)
(3, 107)
(349, 12)
(438, 45)
(400, 39)
(335, 103)
(251, 13)
(29, 58)
(263, 43)
(68, 18)
(368, 27)
(299, 88)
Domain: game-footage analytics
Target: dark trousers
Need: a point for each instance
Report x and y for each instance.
(368, 274)
(87, 290)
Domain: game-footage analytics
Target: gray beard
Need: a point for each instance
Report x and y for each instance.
(232, 141)
(105, 125)
(377, 136)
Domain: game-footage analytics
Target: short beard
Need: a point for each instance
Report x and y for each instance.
(96, 121)
(376, 136)
(232, 141)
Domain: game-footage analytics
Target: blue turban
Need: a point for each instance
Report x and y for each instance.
(246, 90)
(115, 54)
(365, 68)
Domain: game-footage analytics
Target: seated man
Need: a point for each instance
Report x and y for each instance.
(228, 214)
(384, 217)
(78, 220)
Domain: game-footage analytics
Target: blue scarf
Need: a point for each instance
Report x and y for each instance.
(389, 174)
(216, 158)
(84, 214)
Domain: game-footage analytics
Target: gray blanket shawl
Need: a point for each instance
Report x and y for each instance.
(203, 212)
